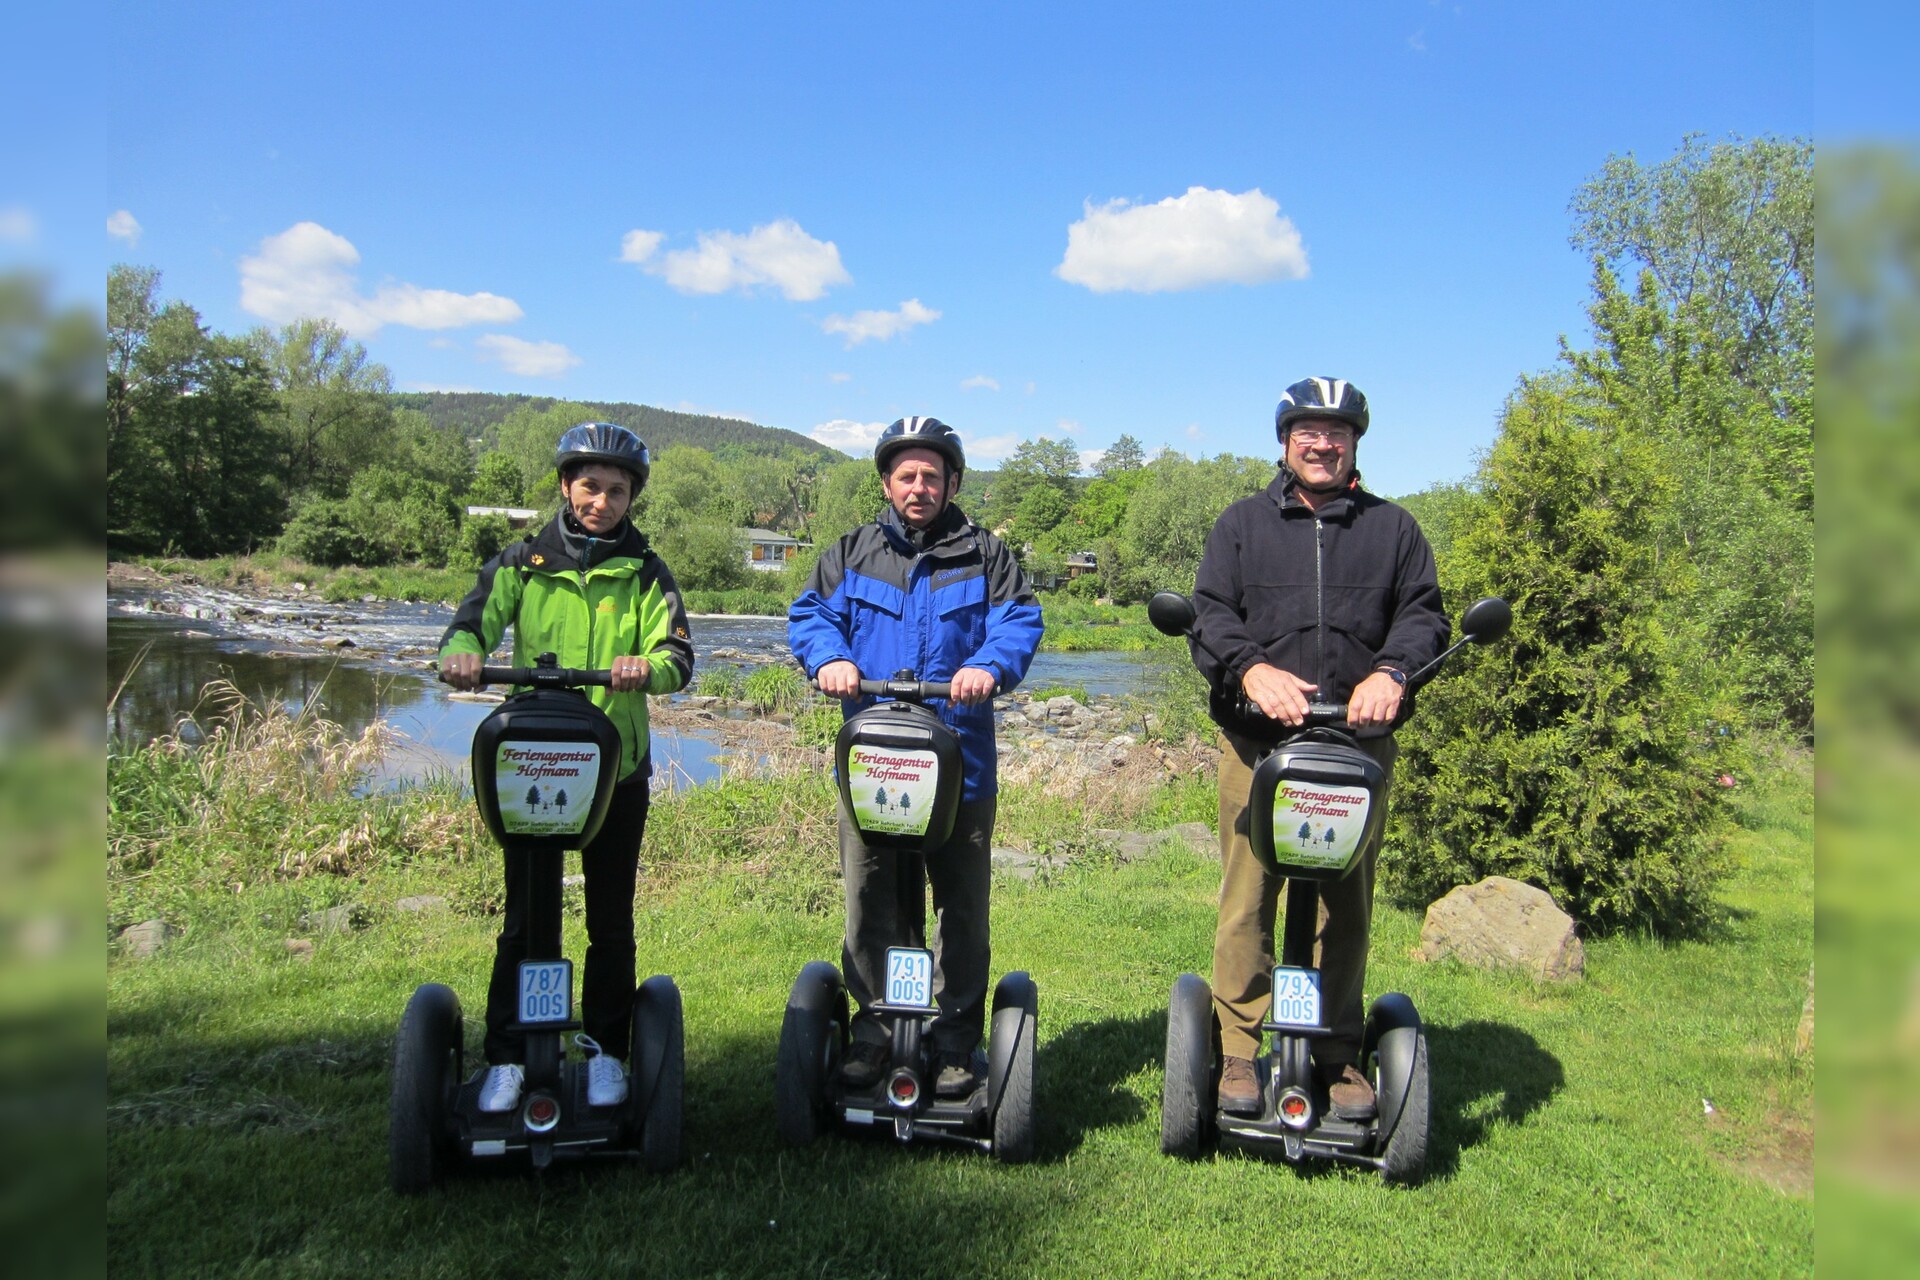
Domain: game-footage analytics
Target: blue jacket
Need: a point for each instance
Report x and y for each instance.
(889, 598)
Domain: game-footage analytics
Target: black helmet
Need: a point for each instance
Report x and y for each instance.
(1321, 398)
(604, 442)
(920, 433)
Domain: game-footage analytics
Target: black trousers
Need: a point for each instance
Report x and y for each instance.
(611, 865)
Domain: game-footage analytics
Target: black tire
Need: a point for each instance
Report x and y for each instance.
(1010, 1054)
(659, 1068)
(813, 1036)
(1404, 1158)
(1187, 1094)
(426, 1071)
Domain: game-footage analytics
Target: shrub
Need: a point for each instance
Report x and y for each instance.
(775, 688)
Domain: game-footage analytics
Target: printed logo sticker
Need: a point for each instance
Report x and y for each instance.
(1317, 825)
(546, 788)
(892, 791)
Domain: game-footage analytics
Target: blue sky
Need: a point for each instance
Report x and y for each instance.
(823, 218)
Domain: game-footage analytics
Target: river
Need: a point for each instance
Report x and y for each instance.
(165, 645)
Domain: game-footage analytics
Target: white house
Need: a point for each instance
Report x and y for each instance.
(768, 551)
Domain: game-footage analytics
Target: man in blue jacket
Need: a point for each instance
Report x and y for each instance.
(921, 589)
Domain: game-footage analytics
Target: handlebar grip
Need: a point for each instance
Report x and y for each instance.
(545, 677)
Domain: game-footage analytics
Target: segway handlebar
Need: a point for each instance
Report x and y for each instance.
(546, 675)
(907, 690)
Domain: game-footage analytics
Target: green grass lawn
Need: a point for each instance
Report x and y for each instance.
(247, 1094)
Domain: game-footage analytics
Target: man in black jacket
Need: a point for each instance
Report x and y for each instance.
(1313, 587)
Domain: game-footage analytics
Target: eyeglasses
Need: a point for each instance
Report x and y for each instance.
(1309, 435)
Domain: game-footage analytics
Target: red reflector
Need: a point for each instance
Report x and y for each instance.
(904, 1089)
(1294, 1105)
(542, 1110)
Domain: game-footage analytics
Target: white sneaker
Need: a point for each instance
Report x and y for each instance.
(500, 1091)
(606, 1077)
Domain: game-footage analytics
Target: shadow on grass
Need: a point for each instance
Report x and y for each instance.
(1483, 1073)
(1081, 1078)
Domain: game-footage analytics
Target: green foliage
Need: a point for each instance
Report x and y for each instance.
(1577, 754)
(483, 414)
(817, 722)
(1158, 544)
(1036, 465)
(847, 495)
(703, 557)
(775, 687)
(329, 414)
(743, 600)
(1125, 455)
(1077, 692)
(481, 539)
(719, 682)
(387, 517)
(497, 482)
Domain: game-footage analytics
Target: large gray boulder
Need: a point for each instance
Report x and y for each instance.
(1504, 924)
(144, 940)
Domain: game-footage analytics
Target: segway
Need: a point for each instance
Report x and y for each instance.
(544, 767)
(899, 770)
(1311, 810)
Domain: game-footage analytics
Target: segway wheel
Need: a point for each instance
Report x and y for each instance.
(659, 1066)
(1394, 1048)
(1187, 1094)
(426, 1071)
(1405, 1156)
(1010, 1051)
(813, 1036)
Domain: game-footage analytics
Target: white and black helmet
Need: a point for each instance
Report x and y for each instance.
(920, 433)
(1334, 398)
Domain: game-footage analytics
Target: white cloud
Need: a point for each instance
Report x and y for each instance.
(779, 254)
(18, 224)
(1202, 238)
(528, 359)
(307, 270)
(1090, 458)
(638, 245)
(979, 381)
(990, 448)
(1193, 431)
(1417, 41)
(1068, 427)
(1032, 387)
(839, 377)
(848, 436)
(882, 325)
(122, 225)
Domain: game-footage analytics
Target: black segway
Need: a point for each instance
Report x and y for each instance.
(899, 769)
(544, 767)
(1310, 812)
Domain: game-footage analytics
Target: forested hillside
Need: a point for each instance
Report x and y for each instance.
(477, 414)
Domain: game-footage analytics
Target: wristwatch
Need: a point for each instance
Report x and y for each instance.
(1399, 677)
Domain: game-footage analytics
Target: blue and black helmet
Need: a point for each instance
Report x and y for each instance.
(920, 433)
(1334, 398)
(604, 442)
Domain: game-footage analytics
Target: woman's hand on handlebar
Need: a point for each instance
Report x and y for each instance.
(461, 670)
(1375, 701)
(630, 674)
(839, 679)
(971, 685)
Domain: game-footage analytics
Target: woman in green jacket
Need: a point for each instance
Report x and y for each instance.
(588, 589)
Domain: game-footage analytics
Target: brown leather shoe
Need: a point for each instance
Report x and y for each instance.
(1239, 1087)
(1351, 1096)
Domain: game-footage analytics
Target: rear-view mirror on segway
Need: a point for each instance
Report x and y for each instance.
(544, 770)
(899, 772)
(1311, 811)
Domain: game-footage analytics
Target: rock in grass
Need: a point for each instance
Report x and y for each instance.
(424, 902)
(144, 939)
(1501, 923)
(339, 919)
(300, 948)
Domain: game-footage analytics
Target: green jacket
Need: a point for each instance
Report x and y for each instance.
(624, 602)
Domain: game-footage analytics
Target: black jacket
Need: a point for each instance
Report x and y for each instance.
(1330, 596)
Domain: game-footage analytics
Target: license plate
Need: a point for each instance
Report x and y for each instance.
(546, 991)
(910, 977)
(1296, 997)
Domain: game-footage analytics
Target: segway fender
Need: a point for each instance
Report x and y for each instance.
(1016, 990)
(818, 989)
(650, 1063)
(1394, 1030)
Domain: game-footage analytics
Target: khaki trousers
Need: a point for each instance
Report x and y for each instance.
(1243, 946)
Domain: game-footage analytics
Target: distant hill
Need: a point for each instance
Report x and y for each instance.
(474, 412)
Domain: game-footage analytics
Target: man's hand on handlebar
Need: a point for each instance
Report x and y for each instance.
(839, 679)
(1375, 701)
(461, 670)
(1280, 695)
(972, 685)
